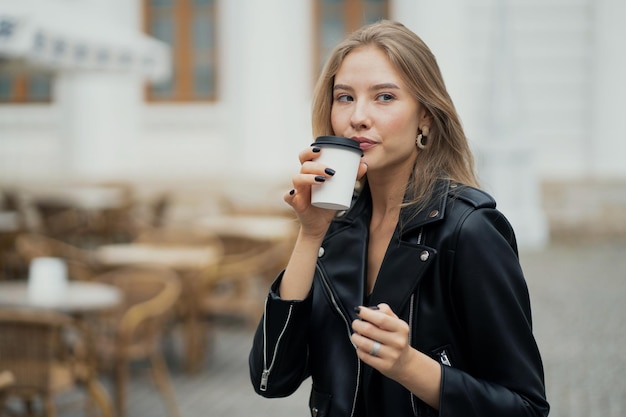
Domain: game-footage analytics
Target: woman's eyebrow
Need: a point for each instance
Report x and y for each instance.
(342, 87)
(385, 86)
(382, 86)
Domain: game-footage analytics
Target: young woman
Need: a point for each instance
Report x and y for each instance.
(413, 302)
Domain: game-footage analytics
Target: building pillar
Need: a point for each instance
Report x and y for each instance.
(100, 110)
(99, 115)
(505, 167)
(506, 161)
(607, 137)
(268, 83)
(443, 26)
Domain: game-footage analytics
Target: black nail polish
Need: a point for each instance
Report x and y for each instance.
(373, 307)
(357, 309)
(329, 171)
(292, 192)
(316, 149)
(320, 178)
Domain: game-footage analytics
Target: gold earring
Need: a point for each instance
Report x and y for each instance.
(419, 141)
(422, 138)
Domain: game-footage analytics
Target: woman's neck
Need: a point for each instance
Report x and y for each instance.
(387, 196)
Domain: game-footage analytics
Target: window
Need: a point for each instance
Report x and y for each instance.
(22, 88)
(337, 18)
(189, 27)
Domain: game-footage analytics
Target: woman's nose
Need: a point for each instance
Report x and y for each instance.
(359, 118)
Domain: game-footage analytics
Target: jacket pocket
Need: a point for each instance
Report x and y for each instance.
(319, 403)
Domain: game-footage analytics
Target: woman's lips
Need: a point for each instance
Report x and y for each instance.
(365, 143)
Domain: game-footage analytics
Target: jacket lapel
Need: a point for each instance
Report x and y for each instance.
(407, 258)
(405, 262)
(396, 280)
(344, 251)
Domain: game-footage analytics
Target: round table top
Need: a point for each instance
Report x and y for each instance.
(82, 197)
(79, 297)
(173, 256)
(259, 227)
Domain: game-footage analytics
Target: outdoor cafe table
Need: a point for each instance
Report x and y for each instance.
(79, 298)
(262, 227)
(178, 257)
(85, 197)
(190, 262)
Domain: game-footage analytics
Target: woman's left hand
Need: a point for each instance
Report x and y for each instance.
(382, 340)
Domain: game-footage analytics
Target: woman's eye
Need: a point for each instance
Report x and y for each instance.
(344, 97)
(385, 97)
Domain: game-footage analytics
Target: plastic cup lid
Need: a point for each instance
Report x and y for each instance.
(338, 141)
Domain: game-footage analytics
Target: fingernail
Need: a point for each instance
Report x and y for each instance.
(374, 308)
(320, 178)
(292, 192)
(357, 309)
(329, 171)
(316, 149)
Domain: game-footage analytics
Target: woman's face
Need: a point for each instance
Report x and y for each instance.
(372, 105)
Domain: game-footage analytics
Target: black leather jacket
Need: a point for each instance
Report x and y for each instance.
(452, 273)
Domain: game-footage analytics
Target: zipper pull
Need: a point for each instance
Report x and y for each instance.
(264, 377)
(444, 358)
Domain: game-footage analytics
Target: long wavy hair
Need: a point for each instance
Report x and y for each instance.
(447, 154)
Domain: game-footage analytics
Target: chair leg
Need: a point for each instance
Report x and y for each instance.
(101, 398)
(121, 383)
(162, 380)
(190, 336)
(49, 407)
(194, 342)
(198, 337)
(29, 406)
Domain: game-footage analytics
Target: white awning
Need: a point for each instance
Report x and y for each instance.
(52, 35)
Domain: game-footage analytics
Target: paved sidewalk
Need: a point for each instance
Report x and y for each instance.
(579, 308)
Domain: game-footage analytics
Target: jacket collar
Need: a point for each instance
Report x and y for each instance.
(405, 262)
(433, 211)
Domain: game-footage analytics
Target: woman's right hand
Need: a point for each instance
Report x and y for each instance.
(314, 221)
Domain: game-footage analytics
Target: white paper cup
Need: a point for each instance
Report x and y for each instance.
(47, 280)
(344, 156)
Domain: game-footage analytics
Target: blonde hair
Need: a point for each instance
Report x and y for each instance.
(447, 154)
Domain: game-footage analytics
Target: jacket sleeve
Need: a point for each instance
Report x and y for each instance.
(503, 376)
(278, 358)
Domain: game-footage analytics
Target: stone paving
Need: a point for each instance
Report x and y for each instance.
(579, 310)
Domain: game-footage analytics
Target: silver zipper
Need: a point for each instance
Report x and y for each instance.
(266, 370)
(411, 311)
(349, 329)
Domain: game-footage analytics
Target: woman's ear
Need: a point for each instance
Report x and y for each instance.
(425, 117)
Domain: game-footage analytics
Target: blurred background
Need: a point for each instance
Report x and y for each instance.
(128, 126)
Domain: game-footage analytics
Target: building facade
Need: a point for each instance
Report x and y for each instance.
(538, 85)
